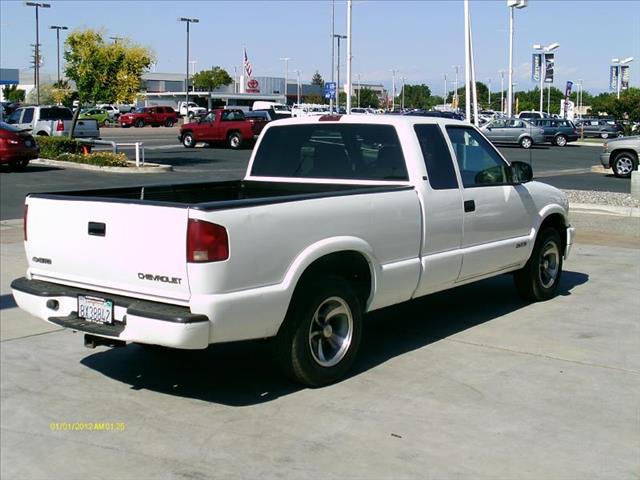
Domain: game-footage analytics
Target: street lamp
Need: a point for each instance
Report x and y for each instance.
(298, 85)
(339, 37)
(359, 88)
(444, 101)
(36, 71)
(512, 4)
(188, 21)
(455, 85)
(57, 28)
(286, 74)
(393, 91)
(403, 79)
(619, 65)
(543, 68)
(501, 72)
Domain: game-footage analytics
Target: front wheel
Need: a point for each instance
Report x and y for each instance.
(526, 142)
(19, 165)
(538, 280)
(561, 140)
(604, 135)
(139, 123)
(188, 140)
(235, 140)
(168, 123)
(320, 336)
(623, 165)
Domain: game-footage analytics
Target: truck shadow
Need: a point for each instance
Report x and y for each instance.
(241, 374)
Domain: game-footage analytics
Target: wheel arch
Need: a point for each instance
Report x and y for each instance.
(614, 154)
(558, 222)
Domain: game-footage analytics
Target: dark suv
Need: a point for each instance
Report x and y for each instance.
(557, 131)
(599, 128)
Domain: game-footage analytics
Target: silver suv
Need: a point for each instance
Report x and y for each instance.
(621, 155)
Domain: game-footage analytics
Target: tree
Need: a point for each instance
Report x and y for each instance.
(107, 72)
(12, 93)
(46, 95)
(313, 98)
(416, 96)
(317, 79)
(209, 80)
(368, 98)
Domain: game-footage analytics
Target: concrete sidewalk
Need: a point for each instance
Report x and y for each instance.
(469, 383)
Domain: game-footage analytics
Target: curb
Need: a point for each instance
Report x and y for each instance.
(587, 144)
(601, 169)
(596, 209)
(147, 168)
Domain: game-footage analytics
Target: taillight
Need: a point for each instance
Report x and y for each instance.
(24, 225)
(60, 126)
(206, 242)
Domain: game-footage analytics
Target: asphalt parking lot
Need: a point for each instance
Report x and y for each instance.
(469, 383)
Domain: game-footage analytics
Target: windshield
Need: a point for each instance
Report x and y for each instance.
(55, 113)
(139, 110)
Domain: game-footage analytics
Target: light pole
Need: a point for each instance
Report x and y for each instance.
(339, 37)
(512, 4)
(188, 21)
(489, 94)
(403, 79)
(359, 90)
(455, 85)
(543, 68)
(333, 42)
(286, 75)
(298, 85)
(57, 28)
(501, 72)
(393, 89)
(444, 101)
(36, 71)
(619, 64)
(349, 54)
(579, 98)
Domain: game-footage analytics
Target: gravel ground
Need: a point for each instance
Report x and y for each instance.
(602, 198)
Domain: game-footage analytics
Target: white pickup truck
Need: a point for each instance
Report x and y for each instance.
(53, 121)
(336, 216)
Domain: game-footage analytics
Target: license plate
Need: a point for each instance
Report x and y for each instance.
(95, 309)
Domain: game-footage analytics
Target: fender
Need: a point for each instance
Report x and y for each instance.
(546, 212)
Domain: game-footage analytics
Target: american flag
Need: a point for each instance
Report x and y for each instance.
(247, 64)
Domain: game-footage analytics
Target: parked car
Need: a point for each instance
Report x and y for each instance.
(98, 114)
(52, 121)
(221, 125)
(434, 113)
(154, 116)
(557, 131)
(599, 128)
(513, 130)
(529, 114)
(336, 217)
(112, 110)
(265, 115)
(621, 155)
(17, 147)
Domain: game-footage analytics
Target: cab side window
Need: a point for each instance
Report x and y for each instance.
(478, 162)
(28, 115)
(437, 158)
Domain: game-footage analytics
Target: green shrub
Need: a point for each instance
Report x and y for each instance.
(52, 147)
(101, 159)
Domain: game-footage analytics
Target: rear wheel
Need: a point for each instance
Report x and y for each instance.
(319, 338)
(235, 140)
(168, 123)
(538, 280)
(188, 140)
(604, 134)
(623, 164)
(526, 142)
(561, 140)
(139, 123)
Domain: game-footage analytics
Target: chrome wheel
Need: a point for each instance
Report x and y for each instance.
(188, 141)
(561, 141)
(526, 142)
(331, 331)
(623, 165)
(604, 135)
(549, 264)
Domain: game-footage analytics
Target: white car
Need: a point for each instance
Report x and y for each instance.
(336, 216)
(112, 110)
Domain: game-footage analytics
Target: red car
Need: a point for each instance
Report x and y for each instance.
(154, 116)
(17, 147)
(222, 125)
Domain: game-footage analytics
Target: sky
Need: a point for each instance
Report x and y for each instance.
(421, 39)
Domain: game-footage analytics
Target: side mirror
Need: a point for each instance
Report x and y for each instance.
(521, 172)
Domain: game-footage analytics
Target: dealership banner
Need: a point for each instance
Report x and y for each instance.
(567, 94)
(549, 64)
(613, 78)
(536, 61)
(624, 77)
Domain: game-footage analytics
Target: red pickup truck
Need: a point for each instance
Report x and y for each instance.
(221, 125)
(154, 116)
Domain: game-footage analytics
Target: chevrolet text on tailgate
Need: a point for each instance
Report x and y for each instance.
(336, 217)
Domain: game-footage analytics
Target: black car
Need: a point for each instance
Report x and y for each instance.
(435, 113)
(557, 131)
(599, 128)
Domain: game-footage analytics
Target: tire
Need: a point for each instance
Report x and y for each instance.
(538, 280)
(307, 347)
(19, 165)
(623, 164)
(526, 142)
(42, 134)
(234, 140)
(561, 141)
(106, 122)
(139, 123)
(604, 135)
(187, 140)
(168, 123)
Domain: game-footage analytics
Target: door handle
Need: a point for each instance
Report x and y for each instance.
(97, 229)
(469, 206)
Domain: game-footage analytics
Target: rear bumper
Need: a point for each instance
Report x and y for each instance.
(134, 320)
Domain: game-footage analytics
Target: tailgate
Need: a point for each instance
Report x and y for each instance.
(129, 249)
(85, 128)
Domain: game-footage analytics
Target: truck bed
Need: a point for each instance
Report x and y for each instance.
(209, 196)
